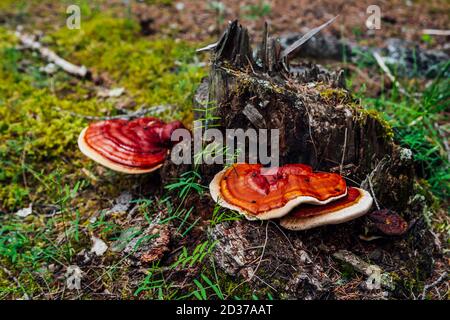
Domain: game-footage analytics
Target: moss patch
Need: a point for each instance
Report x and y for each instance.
(335, 95)
(39, 120)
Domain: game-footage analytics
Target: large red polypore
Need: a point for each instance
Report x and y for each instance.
(129, 146)
(261, 193)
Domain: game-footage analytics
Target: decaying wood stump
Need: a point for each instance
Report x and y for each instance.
(321, 125)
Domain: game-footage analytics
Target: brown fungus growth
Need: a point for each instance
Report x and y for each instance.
(389, 222)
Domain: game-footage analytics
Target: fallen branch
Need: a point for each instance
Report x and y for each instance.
(436, 32)
(364, 268)
(28, 41)
(434, 284)
(131, 115)
(388, 72)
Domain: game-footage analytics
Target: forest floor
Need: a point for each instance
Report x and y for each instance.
(63, 218)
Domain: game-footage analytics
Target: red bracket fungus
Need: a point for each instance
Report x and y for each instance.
(356, 203)
(262, 194)
(388, 222)
(128, 146)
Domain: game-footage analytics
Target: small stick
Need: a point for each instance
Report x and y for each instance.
(373, 193)
(135, 114)
(434, 284)
(343, 153)
(436, 32)
(262, 253)
(388, 72)
(29, 42)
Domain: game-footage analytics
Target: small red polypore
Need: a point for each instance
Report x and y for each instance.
(354, 204)
(137, 144)
(308, 210)
(389, 222)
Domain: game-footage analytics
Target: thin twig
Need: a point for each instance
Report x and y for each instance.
(310, 132)
(28, 41)
(373, 193)
(436, 32)
(343, 153)
(433, 284)
(388, 72)
(271, 287)
(256, 269)
(262, 253)
(135, 114)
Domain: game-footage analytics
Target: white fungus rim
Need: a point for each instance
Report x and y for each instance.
(97, 157)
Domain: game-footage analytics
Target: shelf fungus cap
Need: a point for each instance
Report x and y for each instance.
(261, 194)
(128, 146)
(389, 222)
(356, 203)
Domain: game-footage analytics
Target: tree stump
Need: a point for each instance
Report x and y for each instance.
(320, 124)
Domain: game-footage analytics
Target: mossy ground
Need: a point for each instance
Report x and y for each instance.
(41, 116)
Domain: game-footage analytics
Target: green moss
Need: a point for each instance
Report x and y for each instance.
(335, 95)
(40, 115)
(364, 114)
(389, 132)
(154, 72)
(341, 96)
(10, 4)
(405, 283)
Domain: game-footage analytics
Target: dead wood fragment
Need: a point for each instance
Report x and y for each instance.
(254, 116)
(262, 255)
(433, 284)
(127, 116)
(152, 243)
(364, 268)
(28, 41)
(311, 33)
